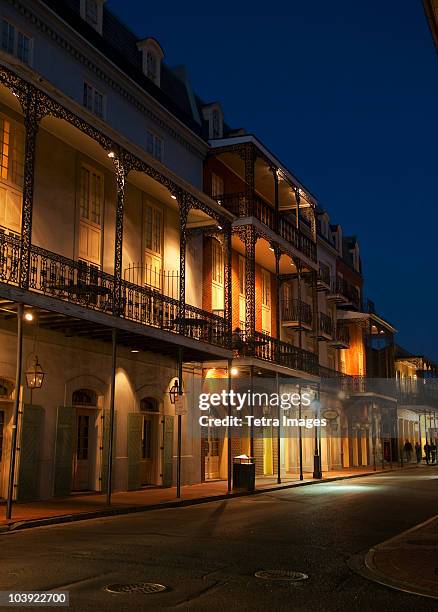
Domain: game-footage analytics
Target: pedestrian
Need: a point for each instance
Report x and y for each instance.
(427, 452)
(418, 451)
(433, 452)
(408, 451)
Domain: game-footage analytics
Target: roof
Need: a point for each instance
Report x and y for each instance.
(119, 44)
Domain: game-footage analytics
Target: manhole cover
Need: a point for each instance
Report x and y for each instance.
(146, 588)
(281, 575)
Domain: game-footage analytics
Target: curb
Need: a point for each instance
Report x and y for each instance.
(365, 566)
(118, 511)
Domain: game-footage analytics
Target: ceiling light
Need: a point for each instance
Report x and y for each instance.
(234, 371)
(111, 154)
(173, 197)
(28, 316)
(219, 227)
(135, 351)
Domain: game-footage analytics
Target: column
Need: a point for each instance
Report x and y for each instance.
(184, 208)
(227, 282)
(250, 240)
(32, 116)
(121, 174)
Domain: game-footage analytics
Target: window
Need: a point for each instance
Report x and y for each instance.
(154, 145)
(217, 277)
(266, 302)
(93, 100)
(15, 42)
(92, 13)
(148, 404)
(217, 185)
(91, 195)
(11, 151)
(84, 397)
(151, 66)
(216, 124)
(91, 191)
(242, 300)
(153, 229)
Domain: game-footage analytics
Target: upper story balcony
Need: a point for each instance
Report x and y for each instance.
(245, 206)
(324, 277)
(248, 180)
(343, 293)
(341, 337)
(296, 314)
(325, 327)
(272, 350)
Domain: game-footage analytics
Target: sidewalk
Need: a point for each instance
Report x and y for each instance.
(408, 562)
(93, 505)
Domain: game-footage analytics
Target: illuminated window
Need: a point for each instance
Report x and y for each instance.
(11, 151)
(154, 145)
(15, 42)
(84, 397)
(217, 262)
(153, 229)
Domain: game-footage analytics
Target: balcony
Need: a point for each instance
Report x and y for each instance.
(333, 379)
(325, 327)
(242, 205)
(342, 337)
(324, 278)
(275, 351)
(296, 314)
(78, 283)
(343, 293)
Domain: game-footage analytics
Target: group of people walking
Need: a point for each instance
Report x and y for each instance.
(429, 448)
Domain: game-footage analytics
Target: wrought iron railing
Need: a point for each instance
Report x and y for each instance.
(245, 205)
(325, 324)
(324, 274)
(79, 283)
(164, 281)
(342, 334)
(350, 292)
(296, 310)
(331, 378)
(275, 351)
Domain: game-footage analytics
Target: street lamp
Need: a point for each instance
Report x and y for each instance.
(174, 391)
(34, 376)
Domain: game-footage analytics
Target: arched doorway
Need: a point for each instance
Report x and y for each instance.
(85, 402)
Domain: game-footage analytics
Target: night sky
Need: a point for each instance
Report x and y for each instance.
(345, 94)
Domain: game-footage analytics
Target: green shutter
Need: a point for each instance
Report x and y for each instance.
(65, 442)
(30, 438)
(106, 424)
(168, 451)
(135, 422)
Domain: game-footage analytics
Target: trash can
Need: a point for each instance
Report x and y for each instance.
(243, 473)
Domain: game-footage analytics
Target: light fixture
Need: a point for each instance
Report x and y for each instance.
(219, 227)
(135, 351)
(35, 375)
(234, 371)
(271, 249)
(111, 154)
(174, 391)
(173, 197)
(28, 316)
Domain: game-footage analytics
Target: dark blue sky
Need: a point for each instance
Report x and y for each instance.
(346, 95)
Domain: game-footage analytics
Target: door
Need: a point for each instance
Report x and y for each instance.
(90, 215)
(217, 277)
(148, 449)
(212, 457)
(82, 466)
(2, 425)
(29, 453)
(266, 302)
(153, 245)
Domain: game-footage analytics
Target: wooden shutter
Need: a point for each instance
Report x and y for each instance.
(65, 441)
(29, 454)
(135, 422)
(105, 443)
(168, 451)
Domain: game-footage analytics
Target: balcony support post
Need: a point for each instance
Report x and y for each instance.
(251, 427)
(33, 113)
(317, 471)
(121, 170)
(227, 283)
(184, 208)
(300, 333)
(277, 389)
(297, 200)
(229, 430)
(248, 155)
(250, 239)
(276, 200)
(277, 254)
(111, 418)
(300, 435)
(315, 326)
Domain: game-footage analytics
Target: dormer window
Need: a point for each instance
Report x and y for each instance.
(214, 116)
(92, 13)
(152, 58)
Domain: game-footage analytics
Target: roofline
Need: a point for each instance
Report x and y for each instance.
(149, 96)
(220, 142)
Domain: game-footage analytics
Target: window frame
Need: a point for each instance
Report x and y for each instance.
(155, 139)
(94, 92)
(17, 32)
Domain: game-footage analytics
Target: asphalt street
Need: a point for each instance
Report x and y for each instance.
(207, 555)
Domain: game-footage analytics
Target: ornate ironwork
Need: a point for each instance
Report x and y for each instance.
(79, 283)
(227, 277)
(184, 209)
